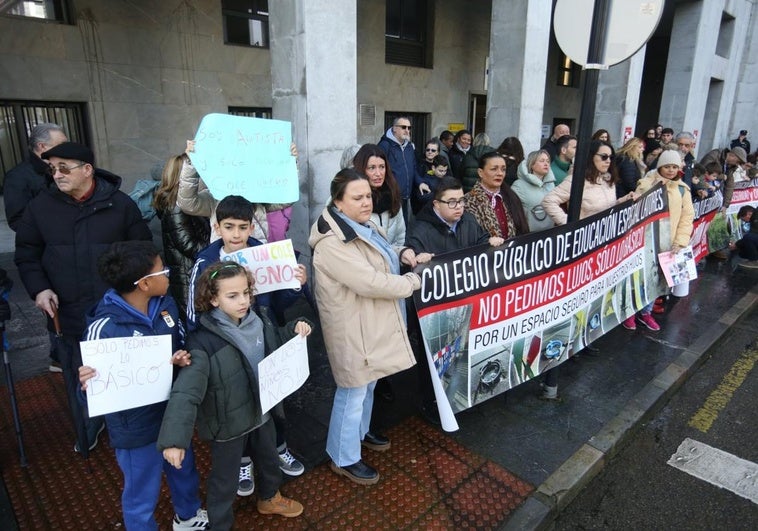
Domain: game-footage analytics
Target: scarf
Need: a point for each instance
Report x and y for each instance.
(247, 336)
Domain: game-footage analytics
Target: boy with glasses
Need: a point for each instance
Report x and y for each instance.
(137, 305)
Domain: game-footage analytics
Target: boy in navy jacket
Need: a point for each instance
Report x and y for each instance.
(137, 305)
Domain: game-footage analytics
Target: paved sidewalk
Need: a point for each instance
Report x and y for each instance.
(515, 462)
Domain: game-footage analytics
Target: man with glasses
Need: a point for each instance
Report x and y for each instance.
(401, 155)
(443, 225)
(59, 239)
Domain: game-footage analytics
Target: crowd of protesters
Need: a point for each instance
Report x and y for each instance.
(392, 206)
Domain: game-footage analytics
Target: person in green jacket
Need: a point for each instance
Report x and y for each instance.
(219, 390)
(561, 163)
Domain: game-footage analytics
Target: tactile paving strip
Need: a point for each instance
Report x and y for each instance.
(428, 480)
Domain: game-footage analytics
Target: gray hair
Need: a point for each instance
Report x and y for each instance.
(685, 134)
(396, 120)
(41, 133)
(481, 139)
(346, 161)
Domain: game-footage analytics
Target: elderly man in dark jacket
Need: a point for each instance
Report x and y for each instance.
(23, 182)
(59, 239)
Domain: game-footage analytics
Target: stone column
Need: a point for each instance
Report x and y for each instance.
(314, 80)
(620, 83)
(516, 83)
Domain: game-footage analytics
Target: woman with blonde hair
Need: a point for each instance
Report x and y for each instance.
(630, 166)
(183, 235)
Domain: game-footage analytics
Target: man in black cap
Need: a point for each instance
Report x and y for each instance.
(741, 141)
(59, 239)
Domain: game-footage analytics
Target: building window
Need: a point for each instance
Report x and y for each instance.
(245, 22)
(42, 9)
(17, 118)
(251, 112)
(409, 27)
(568, 72)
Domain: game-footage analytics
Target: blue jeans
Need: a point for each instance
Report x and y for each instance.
(142, 468)
(351, 416)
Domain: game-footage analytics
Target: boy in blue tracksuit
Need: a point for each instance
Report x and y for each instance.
(137, 305)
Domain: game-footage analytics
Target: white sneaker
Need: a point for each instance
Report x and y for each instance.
(199, 521)
(246, 482)
(289, 464)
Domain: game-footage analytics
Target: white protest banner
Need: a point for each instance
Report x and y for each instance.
(273, 265)
(282, 372)
(238, 155)
(131, 372)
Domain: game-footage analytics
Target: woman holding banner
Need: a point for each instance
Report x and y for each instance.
(362, 312)
(492, 202)
(600, 181)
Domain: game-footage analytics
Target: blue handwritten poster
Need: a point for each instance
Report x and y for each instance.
(237, 155)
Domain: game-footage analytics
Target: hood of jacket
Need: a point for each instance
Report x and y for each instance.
(531, 178)
(390, 136)
(106, 184)
(121, 313)
(328, 225)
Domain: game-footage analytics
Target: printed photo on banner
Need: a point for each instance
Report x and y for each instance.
(713, 230)
(131, 372)
(273, 265)
(238, 155)
(495, 317)
(283, 372)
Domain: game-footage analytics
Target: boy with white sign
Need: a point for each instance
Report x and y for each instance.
(137, 306)
(234, 223)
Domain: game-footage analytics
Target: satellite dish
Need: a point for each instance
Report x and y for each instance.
(630, 25)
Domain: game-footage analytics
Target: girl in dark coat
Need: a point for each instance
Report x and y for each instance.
(219, 392)
(183, 235)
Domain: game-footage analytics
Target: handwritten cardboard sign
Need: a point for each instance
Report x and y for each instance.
(237, 155)
(273, 265)
(131, 372)
(282, 372)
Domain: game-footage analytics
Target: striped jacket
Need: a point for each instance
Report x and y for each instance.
(114, 317)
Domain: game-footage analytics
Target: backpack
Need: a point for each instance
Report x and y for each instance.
(143, 196)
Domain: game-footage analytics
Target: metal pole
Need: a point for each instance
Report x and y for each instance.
(595, 58)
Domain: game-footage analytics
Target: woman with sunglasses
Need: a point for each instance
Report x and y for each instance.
(599, 191)
(535, 181)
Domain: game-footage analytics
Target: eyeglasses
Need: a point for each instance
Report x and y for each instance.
(431, 150)
(230, 265)
(156, 274)
(454, 203)
(603, 156)
(65, 170)
(408, 127)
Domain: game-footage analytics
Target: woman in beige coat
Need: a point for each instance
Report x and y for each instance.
(599, 191)
(360, 295)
